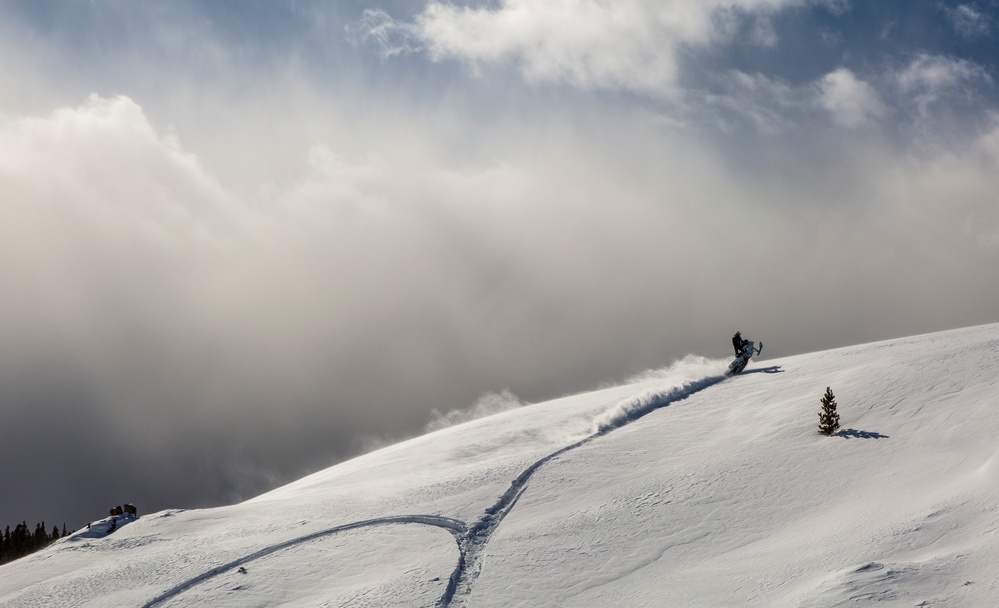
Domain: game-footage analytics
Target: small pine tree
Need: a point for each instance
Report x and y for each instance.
(828, 418)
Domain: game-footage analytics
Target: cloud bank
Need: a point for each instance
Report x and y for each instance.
(228, 275)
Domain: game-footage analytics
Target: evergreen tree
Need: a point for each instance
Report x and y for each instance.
(828, 417)
(41, 537)
(8, 547)
(22, 541)
(19, 540)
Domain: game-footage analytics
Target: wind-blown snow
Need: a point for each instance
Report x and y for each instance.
(682, 487)
(677, 381)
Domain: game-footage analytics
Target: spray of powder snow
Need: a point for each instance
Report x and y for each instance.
(691, 367)
(486, 405)
(677, 381)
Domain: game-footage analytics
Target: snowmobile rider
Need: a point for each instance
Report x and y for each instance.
(738, 343)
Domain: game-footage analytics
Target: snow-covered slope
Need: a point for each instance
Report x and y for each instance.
(681, 488)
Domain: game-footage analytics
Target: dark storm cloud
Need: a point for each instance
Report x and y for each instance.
(261, 243)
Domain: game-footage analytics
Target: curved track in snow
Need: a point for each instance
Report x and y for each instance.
(472, 539)
(473, 542)
(457, 529)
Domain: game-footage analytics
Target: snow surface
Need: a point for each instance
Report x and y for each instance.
(680, 488)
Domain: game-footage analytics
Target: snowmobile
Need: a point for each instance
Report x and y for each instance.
(748, 350)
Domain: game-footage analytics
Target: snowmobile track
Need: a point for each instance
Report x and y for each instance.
(455, 527)
(478, 534)
(472, 539)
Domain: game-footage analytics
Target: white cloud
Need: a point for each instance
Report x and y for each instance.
(118, 175)
(935, 73)
(915, 94)
(378, 26)
(988, 142)
(928, 79)
(764, 33)
(968, 21)
(630, 45)
(769, 104)
(851, 102)
(836, 7)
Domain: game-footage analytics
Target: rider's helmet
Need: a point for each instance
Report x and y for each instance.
(738, 333)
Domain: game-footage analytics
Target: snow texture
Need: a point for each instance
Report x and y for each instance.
(683, 487)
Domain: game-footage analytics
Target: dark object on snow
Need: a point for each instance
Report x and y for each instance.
(742, 359)
(131, 510)
(828, 417)
(242, 570)
(114, 525)
(738, 343)
(116, 511)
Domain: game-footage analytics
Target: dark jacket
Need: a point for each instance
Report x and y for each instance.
(738, 343)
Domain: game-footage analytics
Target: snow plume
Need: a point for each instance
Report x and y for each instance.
(680, 380)
(486, 405)
(689, 368)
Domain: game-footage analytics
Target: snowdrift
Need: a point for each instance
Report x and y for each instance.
(682, 487)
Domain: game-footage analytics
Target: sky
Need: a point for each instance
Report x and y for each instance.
(240, 243)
